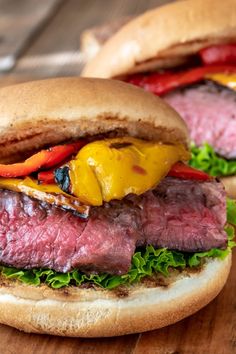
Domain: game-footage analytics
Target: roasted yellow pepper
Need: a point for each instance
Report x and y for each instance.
(110, 169)
(228, 80)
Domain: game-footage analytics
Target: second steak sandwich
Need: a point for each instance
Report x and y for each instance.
(185, 52)
(104, 229)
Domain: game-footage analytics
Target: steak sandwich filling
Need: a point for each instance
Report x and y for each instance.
(183, 215)
(103, 203)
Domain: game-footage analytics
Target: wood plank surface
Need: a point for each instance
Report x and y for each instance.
(19, 21)
(55, 52)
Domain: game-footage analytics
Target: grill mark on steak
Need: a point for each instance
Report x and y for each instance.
(179, 214)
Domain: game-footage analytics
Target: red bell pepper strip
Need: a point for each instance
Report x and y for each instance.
(43, 159)
(46, 177)
(161, 83)
(219, 54)
(180, 170)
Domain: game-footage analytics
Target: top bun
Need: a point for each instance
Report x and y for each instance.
(172, 31)
(39, 113)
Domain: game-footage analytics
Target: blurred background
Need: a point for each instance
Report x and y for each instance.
(41, 38)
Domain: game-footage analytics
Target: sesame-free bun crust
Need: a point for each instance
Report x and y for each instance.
(38, 113)
(171, 31)
(101, 313)
(92, 39)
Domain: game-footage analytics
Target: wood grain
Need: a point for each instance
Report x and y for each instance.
(19, 21)
(56, 52)
(43, 344)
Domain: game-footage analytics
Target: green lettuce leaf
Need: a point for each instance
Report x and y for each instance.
(231, 211)
(145, 262)
(204, 158)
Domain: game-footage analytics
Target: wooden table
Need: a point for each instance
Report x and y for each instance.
(52, 49)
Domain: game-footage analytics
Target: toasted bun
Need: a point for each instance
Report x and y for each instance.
(101, 313)
(92, 39)
(230, 186)
(38, 113)
(172, 31)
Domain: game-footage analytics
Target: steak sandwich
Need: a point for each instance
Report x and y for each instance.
(185, 52)
(104, 228)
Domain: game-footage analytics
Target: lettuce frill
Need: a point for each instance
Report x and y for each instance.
(205, 158)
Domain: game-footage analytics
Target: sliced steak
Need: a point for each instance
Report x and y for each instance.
(185, 215)
(35, 234)
(181, 215)
(210, 113)
(108, 241)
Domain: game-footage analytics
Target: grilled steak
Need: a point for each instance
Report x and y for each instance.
(36, 234)
(178, 214)
(184, 215)
(210, 113)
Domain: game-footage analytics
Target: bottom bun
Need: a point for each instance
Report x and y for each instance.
(100, 313)
(230, 186)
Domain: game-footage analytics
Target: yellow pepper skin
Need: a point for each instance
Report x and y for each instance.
(50, 193)
(113, 168)
(228, 80)
(84, 183)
